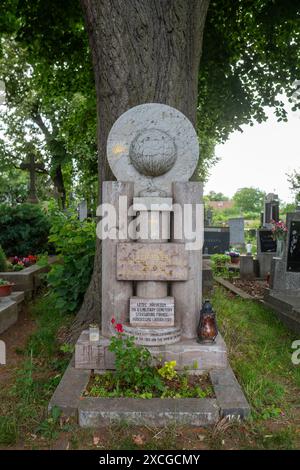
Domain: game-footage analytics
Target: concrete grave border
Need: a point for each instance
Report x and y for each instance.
(92, 412)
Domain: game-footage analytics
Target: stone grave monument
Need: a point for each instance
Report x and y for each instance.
(236, 230)
(82, 210)
(284, 292)
(152, 284)
(32, 167)
(271, 210)
(266, 245)
(216, 240)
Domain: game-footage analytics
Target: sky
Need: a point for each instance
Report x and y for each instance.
(261, 157)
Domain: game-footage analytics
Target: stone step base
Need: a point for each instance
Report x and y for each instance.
(186, 353)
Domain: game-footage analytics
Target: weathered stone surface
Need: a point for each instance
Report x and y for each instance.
(89, 354)
(67, 394)
(152, 262)
(92, 355)
(99, 412)
(152, 312)
(286, 306)
(8, 313)
(247, 270)
(188, 295)
(230, 396)
(115, 293)
(164, 204)
(186, 353)
(153, 336)
(198, 357)
(236, 230)
(152, 289)
(153, 144)
(265, 263)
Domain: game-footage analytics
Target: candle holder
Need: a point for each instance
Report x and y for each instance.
(207, 328)
(94, 333)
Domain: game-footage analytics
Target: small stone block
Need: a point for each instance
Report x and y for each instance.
(152, 312)
(152, 262)
(89, 354)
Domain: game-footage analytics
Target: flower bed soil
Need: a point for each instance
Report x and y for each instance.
(181, 386)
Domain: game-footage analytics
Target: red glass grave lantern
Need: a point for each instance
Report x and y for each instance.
(207, 328)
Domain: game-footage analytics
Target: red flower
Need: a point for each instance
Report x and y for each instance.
(119, 328)
(113, 321)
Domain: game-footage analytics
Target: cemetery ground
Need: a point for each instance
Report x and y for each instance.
(259, 349)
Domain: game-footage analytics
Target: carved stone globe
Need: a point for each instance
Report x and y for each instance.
(153, 152)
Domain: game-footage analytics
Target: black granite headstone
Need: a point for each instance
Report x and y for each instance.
(216, 240)
(293, 254)
(267, 243)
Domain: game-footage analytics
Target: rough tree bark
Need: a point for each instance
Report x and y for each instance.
(143, 51)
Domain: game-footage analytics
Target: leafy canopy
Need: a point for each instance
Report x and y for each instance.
(250, 56)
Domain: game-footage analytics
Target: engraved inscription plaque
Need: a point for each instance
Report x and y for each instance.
(152, 262)
(152, 312)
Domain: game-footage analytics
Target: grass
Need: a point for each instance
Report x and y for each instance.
(260, 354)
(23, 405)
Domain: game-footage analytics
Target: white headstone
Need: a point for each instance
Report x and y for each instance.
(82, 208)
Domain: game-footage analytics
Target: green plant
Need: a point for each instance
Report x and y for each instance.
(4, 282)
(24, 229)
(49, 428)
(74, 241)
(219, 264)
(133, 363)
(3, 262)
(167, 371)
(8, 430)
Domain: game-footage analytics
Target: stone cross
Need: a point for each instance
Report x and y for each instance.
(32, 167)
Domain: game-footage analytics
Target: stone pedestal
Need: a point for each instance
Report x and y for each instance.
(188, 294)
(186, 353)
(115, 292)
(247, 269)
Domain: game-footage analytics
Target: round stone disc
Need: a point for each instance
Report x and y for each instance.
(153, 145)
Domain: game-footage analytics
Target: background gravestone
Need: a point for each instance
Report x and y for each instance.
(237, 231)
(82, 210)
(216, 240)
(284, 293)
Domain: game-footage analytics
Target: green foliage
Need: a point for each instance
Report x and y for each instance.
(219, 265)
(75, 242)
(167, 371)
(250, 55)
(3, 261)
(24, 229)
(133, 364)
(249, 199)
(8, 430)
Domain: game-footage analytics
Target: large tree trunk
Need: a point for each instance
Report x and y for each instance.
(143, 51)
